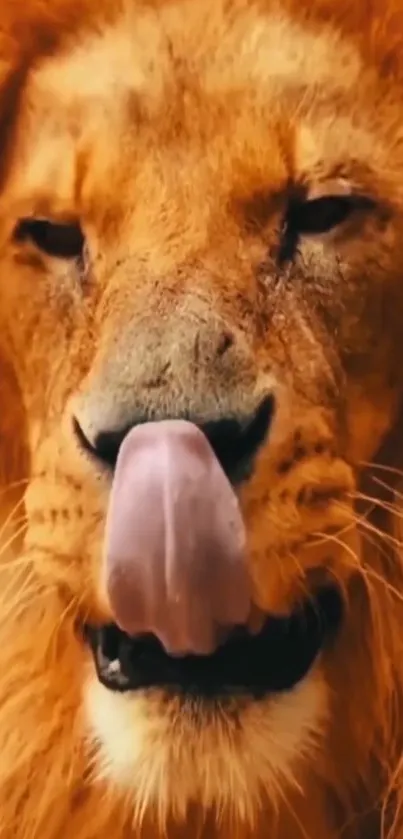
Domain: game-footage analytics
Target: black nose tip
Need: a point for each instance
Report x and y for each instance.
(235, 441)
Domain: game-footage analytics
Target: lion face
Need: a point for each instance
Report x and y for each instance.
(201, 219)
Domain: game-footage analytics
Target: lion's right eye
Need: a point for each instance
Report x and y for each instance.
(60, 240)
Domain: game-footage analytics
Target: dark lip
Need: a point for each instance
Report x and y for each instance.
(272, 662)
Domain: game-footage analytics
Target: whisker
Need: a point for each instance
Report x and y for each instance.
(377, 502)
(15, 563)
(13, 538)
(70, 607)
(12, 485)
(382, 484)
(370, 536)
(11, 515)
(321, 538)
(284, 798)
(27, 598)
(381, 467)
(364, 524)
(370, 572)
(345, 547)
(365, 570)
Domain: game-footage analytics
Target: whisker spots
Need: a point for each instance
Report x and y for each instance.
(302, 452)
(319, 496)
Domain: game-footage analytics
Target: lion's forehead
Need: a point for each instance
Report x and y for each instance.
(225, 101)
(187, 43)
(238, 96)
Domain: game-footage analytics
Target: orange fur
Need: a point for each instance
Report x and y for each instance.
(174, 131)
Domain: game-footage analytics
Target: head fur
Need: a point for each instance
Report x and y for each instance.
(177, 135)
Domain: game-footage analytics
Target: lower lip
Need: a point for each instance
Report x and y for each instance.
(272, 661)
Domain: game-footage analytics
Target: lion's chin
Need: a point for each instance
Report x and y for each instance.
(222, 732)
(169, 753)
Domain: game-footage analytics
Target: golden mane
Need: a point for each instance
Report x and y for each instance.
(41, 656)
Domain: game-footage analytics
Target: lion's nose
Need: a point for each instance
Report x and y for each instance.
(235, 440)
(195, 367)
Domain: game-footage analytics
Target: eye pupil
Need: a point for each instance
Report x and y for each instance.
(63, 241)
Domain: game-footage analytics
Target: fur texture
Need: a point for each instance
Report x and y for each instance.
(176, 133)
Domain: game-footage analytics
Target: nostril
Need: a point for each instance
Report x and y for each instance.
(105, 446)
(225, 342)
(236, 443)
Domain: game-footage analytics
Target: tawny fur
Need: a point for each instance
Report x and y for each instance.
(175, 130)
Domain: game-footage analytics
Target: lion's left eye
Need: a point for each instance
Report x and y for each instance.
(60, 240)
(319, 215)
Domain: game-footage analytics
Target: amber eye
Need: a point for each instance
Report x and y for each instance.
(60, 240)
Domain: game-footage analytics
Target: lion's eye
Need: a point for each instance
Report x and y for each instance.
(63, 241)
(319, 215)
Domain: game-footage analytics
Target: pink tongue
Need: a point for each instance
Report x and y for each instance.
(175, 544)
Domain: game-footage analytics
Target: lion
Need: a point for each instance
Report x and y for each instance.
(201, 221)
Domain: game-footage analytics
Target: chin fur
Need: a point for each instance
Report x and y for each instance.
(166, 753)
